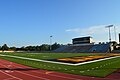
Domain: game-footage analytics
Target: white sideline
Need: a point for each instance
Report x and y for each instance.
(59, 62)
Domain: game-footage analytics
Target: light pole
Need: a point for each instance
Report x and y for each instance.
(109, 26)
(115, 33)
(51, 43)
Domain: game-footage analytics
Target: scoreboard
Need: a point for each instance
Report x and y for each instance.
(82, 40)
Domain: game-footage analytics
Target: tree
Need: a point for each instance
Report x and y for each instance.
(44, 47)
(5, 47)
(0, 48)
(13, 48)
(22, 48)
(55, 46)
(38, 48)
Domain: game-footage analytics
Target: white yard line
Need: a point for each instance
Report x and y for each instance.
(59, 62)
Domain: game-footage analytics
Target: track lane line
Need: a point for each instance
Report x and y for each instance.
(26, 74)
(81, 77)
(67, 74)
(11, 75)
(49, 74)
(62, 77)
(32, 75)
(8, 78)
(58, 76)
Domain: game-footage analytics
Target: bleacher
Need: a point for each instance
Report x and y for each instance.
(74, 49)
(84, 45)
(100, 48)
(84, 48)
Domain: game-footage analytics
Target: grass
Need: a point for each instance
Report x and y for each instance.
(98, 69)
(46, 56)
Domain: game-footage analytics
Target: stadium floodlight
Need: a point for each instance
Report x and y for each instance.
(115, 33)
(109, 26)
(51, 43)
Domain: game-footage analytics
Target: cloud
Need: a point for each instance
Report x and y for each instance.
(100, 33)
(88, 30)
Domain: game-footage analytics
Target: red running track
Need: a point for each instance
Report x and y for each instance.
(14, 71)
(115, 75)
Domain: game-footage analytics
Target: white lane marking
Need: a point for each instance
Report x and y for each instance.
(96, 67)
(59, 62)
(50, 74)
(11, 75)
(56, 75)
(26, 74)
(53, 74)
(32, 75)
(82, 71)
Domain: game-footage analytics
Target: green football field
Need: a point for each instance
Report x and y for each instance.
(98, 69)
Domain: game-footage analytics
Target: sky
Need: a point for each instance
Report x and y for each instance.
(32, 22)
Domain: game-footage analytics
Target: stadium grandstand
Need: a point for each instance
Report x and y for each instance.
(84, 45)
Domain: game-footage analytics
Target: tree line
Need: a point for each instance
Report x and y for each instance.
(43, 47)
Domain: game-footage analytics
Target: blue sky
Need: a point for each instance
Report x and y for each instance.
(31, 22)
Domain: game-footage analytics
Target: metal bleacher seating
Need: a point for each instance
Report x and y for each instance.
(84, 48)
